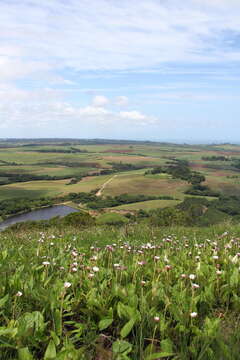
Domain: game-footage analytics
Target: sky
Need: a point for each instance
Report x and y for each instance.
(161, 70)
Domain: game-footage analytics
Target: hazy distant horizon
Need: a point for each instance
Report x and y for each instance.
(170, 141)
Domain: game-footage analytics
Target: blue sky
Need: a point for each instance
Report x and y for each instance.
(140, 69)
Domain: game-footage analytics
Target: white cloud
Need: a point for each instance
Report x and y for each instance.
(137, 117)
(121, 101)
(105, 34)
(100, 100)
(77, 45)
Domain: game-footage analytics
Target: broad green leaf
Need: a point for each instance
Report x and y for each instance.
(121, 347)
(127, 328)
(167, 346)
(50, 351)
(24, 354)
(58, 322)
(55, 338)
(159, 355)
(3, 300)
(104, 323)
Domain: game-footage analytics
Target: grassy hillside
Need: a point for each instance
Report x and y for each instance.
(133, 292)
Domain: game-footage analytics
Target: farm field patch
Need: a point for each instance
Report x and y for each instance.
(54, 158)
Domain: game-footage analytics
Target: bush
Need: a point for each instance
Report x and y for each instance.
(168, 217)
(112, 219)
(78, 219)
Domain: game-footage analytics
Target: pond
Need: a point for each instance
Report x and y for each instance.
(41, 214)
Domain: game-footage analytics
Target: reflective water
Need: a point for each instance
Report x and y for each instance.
(41, 214)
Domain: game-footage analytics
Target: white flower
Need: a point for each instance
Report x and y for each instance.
(215, 257)
(19, 293)
(46, 263)
(156, 318)
(218, 272)
(195, 286)
(193, 314)
(192, 276)
(74, 269)
(95, 269)
(67, 284)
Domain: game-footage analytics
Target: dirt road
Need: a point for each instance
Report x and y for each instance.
(99, 193)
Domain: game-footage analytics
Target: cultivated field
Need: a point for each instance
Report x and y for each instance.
(64, 160)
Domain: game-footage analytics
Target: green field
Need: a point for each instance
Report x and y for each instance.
(52, 158)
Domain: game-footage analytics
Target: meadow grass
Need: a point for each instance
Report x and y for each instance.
(33, 162)
(133, 292)
(148, 205)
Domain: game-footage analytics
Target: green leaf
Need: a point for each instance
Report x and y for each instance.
(4, 300)
(24, 354)
(127, 328)
(55, 338)
(104, 323)
(58, 322)
(50, 351)
(121, 347)
(159, 355)
(4, 254)
(167, 346)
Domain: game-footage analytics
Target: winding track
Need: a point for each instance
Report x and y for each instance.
(99, 193)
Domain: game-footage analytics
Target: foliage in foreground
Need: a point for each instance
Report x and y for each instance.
(120, 293)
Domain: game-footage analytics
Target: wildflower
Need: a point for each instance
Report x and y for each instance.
(168, 267)
(197, 258)
(74, 269)
(67, 284)
(143, 282)
(215, 257)
(156, 258)
(192, 276)
(141, 263)
(19, 293)
(218, 272)
(51, 243)
(156, 318)
(183, 276)
(193, 314)
(195, 286)
(91, 275)
(46, 263)
(95, 269)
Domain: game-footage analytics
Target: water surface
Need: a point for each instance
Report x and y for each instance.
(41, 214)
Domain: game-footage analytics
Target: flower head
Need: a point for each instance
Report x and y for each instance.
(193, 314)
(67, 284)
(95, 269)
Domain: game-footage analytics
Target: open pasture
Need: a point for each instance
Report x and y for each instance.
(53, 158)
